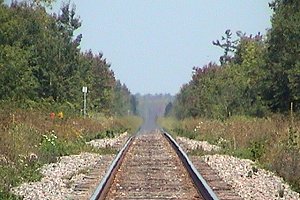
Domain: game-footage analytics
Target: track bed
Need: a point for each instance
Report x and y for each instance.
(151, 169)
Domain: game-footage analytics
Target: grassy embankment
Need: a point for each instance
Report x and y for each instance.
(274, 143)
(30, 138)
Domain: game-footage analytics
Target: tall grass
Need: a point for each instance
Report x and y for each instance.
(30, 138)
(273, 142)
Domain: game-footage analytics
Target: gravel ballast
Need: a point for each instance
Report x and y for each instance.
(247, 180)
(117, 142)
(61, 179)
(189, 144)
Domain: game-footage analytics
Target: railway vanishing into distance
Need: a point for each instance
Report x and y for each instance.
(151, 165)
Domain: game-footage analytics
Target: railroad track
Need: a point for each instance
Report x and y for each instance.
(153, 166)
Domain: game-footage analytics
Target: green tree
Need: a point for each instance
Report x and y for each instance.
(17, 82)
(122, 98)
(15, 74)
(228, 45)
(282, 59)
(168, 109)
(40, 59)
(103, 82)
(134, 105)
(234, 88)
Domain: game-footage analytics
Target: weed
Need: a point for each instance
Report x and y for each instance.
(31, 138)
(273, 143)
(257, 149)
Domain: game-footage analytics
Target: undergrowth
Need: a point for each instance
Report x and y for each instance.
(274, 142)
(33, 137)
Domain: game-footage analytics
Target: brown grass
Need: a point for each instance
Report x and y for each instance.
(273, 142)
(24, 133)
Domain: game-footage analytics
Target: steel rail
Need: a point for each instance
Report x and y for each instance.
(203, 188)
(201, 185)
(105, 183)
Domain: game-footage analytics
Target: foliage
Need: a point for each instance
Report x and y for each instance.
(231, 89)
(168, 109)
(258, 74)
(40, 60)
(122, 100)
(282, 67)
(42, 71)
(273, 142)
(31, 138)
(228, 45)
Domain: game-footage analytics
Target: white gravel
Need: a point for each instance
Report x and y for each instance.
(249, 181)
(56, 183)
(189, 144)
(60, 178)
(117, 142)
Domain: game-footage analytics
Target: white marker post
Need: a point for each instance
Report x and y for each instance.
(84, 90)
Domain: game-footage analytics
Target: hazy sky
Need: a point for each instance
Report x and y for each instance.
(154, 44)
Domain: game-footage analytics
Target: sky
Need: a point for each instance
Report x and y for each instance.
(153, 45)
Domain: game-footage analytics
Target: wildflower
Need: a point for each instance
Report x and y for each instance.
(32, 157)
(21, 158)
(3, 159)
(53, 136)
(60, 115)
(52, 115)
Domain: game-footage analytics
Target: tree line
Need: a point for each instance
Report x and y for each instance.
(257, 74)
(41, 60)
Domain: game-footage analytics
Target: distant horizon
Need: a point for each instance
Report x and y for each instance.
(156, 94)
